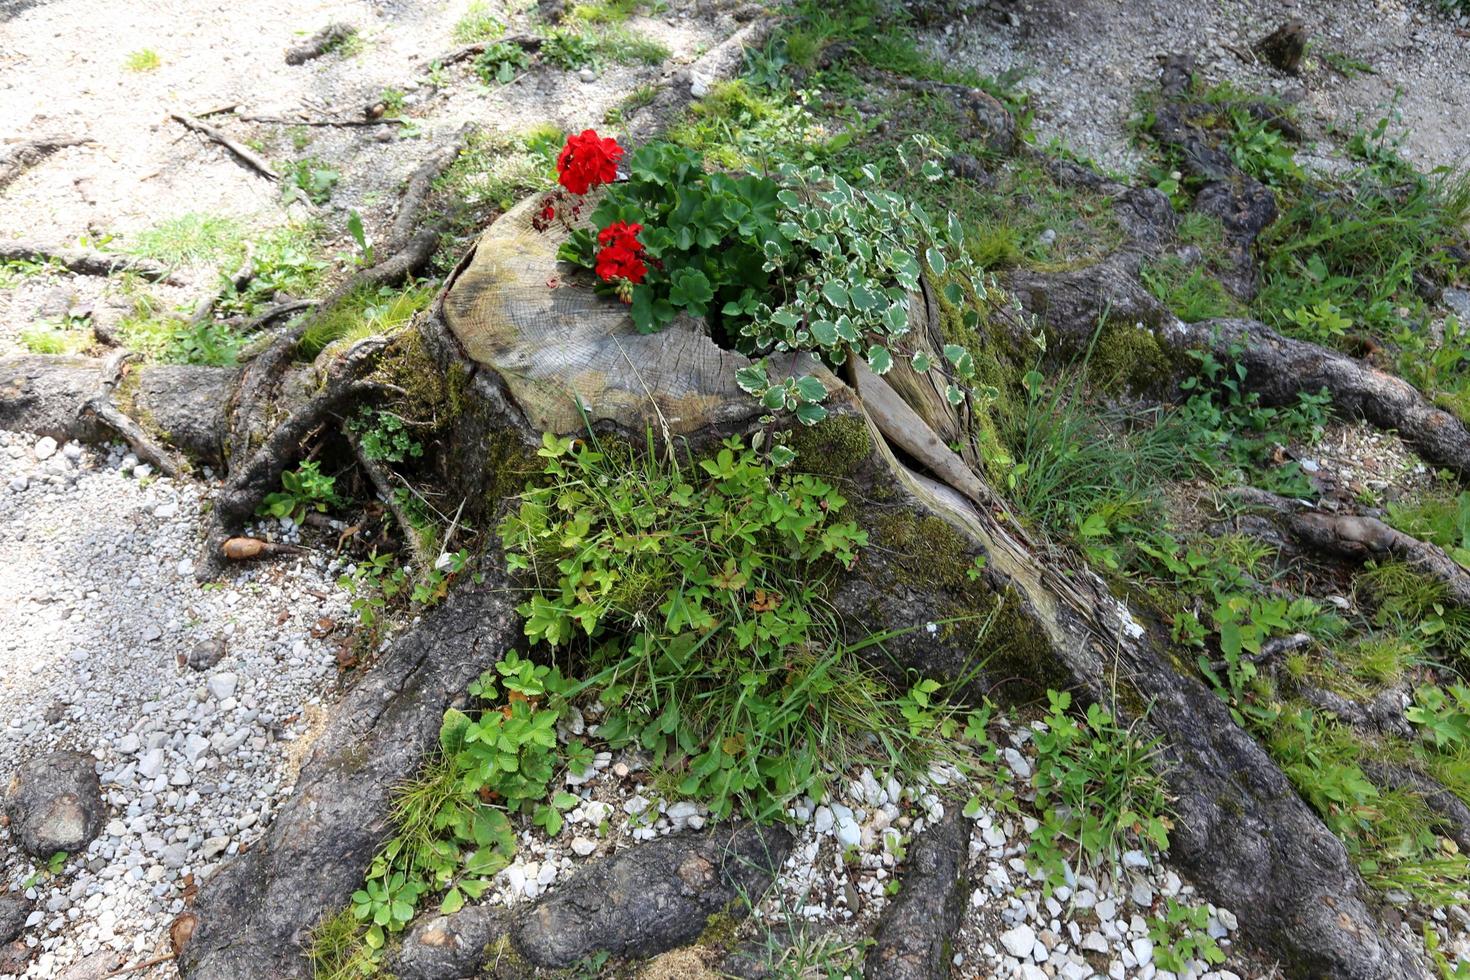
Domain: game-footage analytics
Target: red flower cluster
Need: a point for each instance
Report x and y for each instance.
(588, 161)
(620, 256)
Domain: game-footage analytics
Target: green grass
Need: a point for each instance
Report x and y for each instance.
(337, 951)
(56, 338)
(495, 169)
(192, 239)
(365, 313)
(1190, 292)
(479, 23)
(602, 11)
(143, 60)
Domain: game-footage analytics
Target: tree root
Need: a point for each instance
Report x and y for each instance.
(1384, 715)
(242, 152)
(102, 408)
(84, 263)
(24, 156)
(1447, 805)
(917, 929)
(378, 475)
(1359, 538)
(261, 473)
(1074, 304)
(255, 916)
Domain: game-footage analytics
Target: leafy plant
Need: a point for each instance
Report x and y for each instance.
(143, 60)
(695, 590)
(310, 179)
(303, 490)
(1098, 788)
(501, 62)
(208, 342)
(479, 23)
(1443, 716)
(568, 49)
(385, 436)
(1180, 936)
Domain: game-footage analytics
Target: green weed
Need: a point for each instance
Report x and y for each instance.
(304, 490)
(191, 239)
(1189, 292)
(143, 60)
(364, 313)
(309, 179)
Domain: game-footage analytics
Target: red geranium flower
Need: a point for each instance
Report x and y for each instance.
(621, 253)
(587, 161)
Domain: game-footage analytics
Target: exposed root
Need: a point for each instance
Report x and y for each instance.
(241, 278)
(526, 42)
(83, 263)
(382, 482)
(414, 249)
(1360, 538)
(24, 156)
(242, 152)
(1278, 368)
(1384, 715)
(101, 408)
(319, 43)
(249, 484)
(1447, 805)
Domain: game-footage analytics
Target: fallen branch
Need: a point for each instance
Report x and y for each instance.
(285, 121)
(156, 961)
(101, 408)
(246, 155)
(1270, 650)
(526, 42)
(24, 156)
(319, 43)
(84, 263)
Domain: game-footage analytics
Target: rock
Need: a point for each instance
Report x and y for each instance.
(1458, 301)
(1284, 47)
(699, 85)
(917, 928)
(94, 967)
(55, 804)
(223, 685)
(822, 820)
(205, 654)
(1143, 950)
(651, 898)
(214, 847)
(583, 846)
(14, 908)
(150, 763)
(847, 831)
(1020, 941)
(1018, 764)
(45, 448)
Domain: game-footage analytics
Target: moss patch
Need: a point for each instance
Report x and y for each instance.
(1130, 358)
(833, 448)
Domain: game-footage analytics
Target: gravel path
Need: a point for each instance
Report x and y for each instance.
(98, 606)
(1085, 62)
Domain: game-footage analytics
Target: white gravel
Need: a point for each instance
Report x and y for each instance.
(98, 605)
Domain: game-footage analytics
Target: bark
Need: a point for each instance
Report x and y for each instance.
(1358, 537)
(256, 914)
(319, 43)
(914, 936)
(1284, 47)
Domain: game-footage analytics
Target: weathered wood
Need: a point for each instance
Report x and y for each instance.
(83, 262)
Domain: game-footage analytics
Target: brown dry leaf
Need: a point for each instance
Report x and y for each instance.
(346, 657)
(283, 616)
(323, 627)
(765, 601)
(347, 533)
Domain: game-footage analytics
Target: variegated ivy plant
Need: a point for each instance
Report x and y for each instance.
(850, 255)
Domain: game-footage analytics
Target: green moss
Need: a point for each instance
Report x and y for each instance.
(928, 554)
(1130, 358)
(996, 365)
(502, 959)
(722, 928)
(834, 447)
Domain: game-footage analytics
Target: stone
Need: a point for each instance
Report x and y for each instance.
(583, 846)
(205, 654)
(223, 685)
(1020, 941)
(45, 448)
(1018, 764)
(150, 763)
(55, 804)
